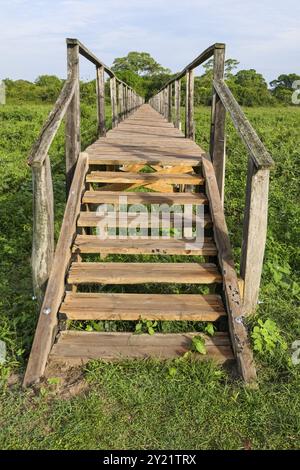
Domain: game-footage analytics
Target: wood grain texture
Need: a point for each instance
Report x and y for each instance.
(121, 197)
(72, 127)
(113, 101)
(78, 347)
(143, 178)
(217, 131)
(93, 218)
(43, 227)
(238, 331)
(254, 233)
(142, 273)
(256, 148)
(93, 244)
(177, 307)
(47, 323)
(100, 87)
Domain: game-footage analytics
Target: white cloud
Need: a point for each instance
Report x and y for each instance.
(261, 35)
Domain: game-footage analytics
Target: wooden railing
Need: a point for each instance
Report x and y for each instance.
(124, 100)
(259, 161)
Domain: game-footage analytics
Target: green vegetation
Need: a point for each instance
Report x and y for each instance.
(140, 71)
(146, 404)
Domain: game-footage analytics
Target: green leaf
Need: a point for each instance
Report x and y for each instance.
(172, 371)
(151, 330)
(209, 329)
(199, 344)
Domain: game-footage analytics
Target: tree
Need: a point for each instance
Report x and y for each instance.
(250, 88)
(140, 63)
(282, 87)
(49, 87)
(229, 66)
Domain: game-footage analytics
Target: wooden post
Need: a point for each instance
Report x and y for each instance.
(126, 101)
(121, 102)
(254, 233)
(186, 127)
(72, 127)
(43, 227)
(113, 101)
(170, 99)
(189, 105)
(100, 84)
(218, 117)
(177, 104)
(129, 101)
(166, 102)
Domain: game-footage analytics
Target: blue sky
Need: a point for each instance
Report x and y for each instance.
(264, 34)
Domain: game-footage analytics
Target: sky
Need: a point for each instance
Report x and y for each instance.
(264, 34)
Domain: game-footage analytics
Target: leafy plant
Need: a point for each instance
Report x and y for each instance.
(146, 326)
(266, 337)
(198, 344)
(209, 329)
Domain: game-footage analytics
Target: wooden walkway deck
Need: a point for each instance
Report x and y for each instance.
(144, 270)
(174, 176)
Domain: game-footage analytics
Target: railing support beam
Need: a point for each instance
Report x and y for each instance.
(72, 128)
(100, 84)
(43, 227)
(113, 100)
(177, 105)
(254, 233)
(189, 105)
(218, 117)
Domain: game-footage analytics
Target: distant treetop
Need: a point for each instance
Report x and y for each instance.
(140, 63)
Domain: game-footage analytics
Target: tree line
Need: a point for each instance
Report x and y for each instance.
(146, 76)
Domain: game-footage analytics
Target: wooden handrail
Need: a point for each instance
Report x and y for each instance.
(41, 146)
(259, 162)
(200, 59)
(85, 52)
(257, 150)
(68, 106)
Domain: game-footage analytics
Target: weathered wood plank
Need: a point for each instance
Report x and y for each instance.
(170, 101)
(254, 233)
(47, 323)
(100, 84)
(143, 178)
(93, 244)
(40, 148)
(177, 307)
(142, 273)
(43, 228)
(77, 347)
(113, 101)
(238, 331)
(177, 104)
(258, 152)
(92, 219)
(72, 128)
(217, 131)
(99, 197)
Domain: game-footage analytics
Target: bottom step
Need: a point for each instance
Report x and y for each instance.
(77, 347)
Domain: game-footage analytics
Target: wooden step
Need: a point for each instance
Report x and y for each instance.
(77, 347)
(142, 178)
(92, 219)
(142, 273)
(93, 244)
(97, 157)
(117, 197)
(94, 306)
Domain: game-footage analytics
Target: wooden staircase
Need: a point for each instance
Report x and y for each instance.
(144, 160)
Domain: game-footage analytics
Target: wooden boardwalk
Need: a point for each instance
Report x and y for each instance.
(133, 273)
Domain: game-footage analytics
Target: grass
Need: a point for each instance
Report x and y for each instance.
(138, 404)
